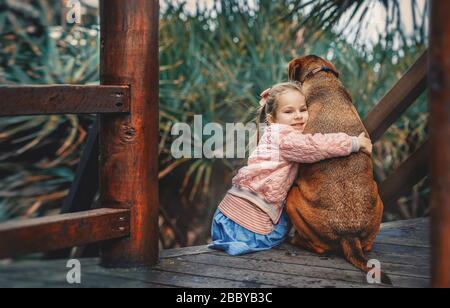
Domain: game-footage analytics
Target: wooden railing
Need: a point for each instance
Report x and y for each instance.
(402, 95)
(69, 230)
(56, 232)
(414, 169)
(391, 107)
(64, 99)
(116, 160)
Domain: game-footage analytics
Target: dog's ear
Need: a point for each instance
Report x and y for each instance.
(295, 69)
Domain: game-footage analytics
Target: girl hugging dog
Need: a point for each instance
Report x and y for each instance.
(251, 217)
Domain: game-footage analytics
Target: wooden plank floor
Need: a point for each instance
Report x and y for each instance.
(402, 248)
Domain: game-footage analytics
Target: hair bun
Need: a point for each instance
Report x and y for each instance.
(265, 93)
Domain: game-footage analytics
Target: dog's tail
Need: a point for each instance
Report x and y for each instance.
(354, 254)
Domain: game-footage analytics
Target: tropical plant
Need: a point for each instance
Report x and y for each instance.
(229, 55)
(214, 62)
(404, 21)
(38, 155)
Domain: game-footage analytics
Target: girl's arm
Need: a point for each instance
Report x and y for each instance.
(307, 148)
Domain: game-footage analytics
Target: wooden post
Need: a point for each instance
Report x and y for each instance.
(129, 143)
(439, 106)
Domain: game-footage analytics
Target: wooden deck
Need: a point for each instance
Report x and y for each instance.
(402, 248)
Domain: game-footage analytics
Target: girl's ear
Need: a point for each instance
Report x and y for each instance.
(270, 119)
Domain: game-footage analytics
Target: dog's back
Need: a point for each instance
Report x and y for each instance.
(334, 204)
(341, 191)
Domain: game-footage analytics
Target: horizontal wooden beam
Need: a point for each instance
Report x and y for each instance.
(398, 99)
(414, 169)
(63, 99)
(61, 231)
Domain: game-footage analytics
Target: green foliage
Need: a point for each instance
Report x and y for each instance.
(38, 155)
(214, 63)
(223, 62)
(327, 14)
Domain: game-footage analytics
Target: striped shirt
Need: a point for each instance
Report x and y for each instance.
(246, 214)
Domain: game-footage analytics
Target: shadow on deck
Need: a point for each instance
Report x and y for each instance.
(402, 248)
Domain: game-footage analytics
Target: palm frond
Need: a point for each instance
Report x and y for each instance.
(359, 16)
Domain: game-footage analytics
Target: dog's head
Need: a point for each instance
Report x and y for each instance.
(300, 68)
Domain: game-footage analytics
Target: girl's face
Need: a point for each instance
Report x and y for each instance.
(291, 110)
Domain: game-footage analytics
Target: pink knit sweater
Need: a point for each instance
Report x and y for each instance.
(273, 166)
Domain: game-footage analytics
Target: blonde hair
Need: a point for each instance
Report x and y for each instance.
(269, 103)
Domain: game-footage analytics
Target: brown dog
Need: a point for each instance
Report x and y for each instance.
(334, 204)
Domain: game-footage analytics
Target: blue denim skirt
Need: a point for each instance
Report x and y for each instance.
(237, 240)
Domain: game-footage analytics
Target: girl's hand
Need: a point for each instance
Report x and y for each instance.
(365, 144)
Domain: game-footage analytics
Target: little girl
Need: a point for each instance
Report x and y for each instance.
(251, 217)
